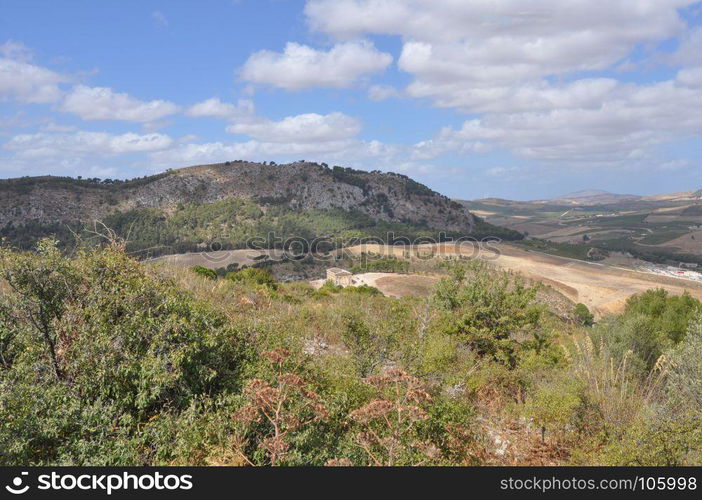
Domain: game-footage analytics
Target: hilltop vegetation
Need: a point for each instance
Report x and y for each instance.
(106, 360)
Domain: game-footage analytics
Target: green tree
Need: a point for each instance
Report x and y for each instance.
(492, 311)
(205, 272)
(669, 314)
(583, 315)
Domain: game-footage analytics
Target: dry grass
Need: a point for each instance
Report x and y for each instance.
(618, 395)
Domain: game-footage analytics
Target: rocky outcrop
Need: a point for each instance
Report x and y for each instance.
(301, 185)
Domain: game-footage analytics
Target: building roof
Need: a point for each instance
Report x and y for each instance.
(338, 271)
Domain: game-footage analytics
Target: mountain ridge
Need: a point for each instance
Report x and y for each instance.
(183, 209)
(301, 185)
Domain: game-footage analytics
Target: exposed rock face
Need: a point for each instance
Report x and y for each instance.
(304, 186)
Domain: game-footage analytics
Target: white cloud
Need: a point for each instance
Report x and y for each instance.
(301, 66)
(690, 77)
(159, 17)
(382, 92)
(490, 56)
(305, 128)
(689, 51)
(625, 126)
(451, 20)
(16, 50)
(102, 103)
(519, 66)
(45, 145)
(215, 108)
(192, 154)
(28, 83)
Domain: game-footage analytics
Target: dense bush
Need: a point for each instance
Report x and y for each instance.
(254, 276)
(583, 315)
(652, 323)
(95, 349)
(380, 264)
(669, 314)
(205, 272)
(492, 311)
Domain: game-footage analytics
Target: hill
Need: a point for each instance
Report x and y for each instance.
(594, 197)
(188, 209)
(664, 228)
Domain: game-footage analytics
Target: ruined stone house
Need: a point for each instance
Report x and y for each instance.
(340, 277)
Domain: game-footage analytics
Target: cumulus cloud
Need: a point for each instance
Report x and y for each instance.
(215, 108)
(300, 66)
(520, 67)
(16, 50)
(689, 50)
(627, 124)
(471, 55)
(190, 154)
(102, 103)
(305, 128)
(451, 20)
(25, 82)
(46, 145)
(382, 92)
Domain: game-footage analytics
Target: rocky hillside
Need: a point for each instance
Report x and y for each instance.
(301, 186)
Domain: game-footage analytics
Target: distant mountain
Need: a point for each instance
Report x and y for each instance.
(594, 197)
(693, 195)
(584, 193)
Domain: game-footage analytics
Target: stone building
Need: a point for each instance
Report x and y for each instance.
(338, 276)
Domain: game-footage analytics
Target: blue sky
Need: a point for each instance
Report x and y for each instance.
(502, 98)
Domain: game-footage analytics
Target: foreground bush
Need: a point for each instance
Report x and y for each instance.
(94, 349)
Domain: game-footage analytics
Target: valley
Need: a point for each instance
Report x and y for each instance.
(604, 288)
(663, 229)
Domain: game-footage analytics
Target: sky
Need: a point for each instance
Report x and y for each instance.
(520, 99)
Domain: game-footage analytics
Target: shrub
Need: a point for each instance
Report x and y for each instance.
(254, 276)
(205, 272)
(96, 348)
(652, 323)
(488, 309)
(554, 406)
(684, 381)
(388, 425)
(583, 315)
(658, 440)
(369, 349)
(361, 290)
(275, 411)
(669, 315)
